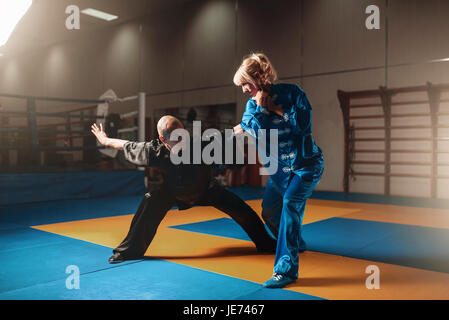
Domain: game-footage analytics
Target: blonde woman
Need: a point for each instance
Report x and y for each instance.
(284, 107)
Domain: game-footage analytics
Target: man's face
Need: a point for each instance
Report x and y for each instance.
(169, 142)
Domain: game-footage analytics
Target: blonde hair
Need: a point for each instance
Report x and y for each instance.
(255, 63)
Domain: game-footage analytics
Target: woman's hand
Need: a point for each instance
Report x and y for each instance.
(238, 130)
(261, 98)
(99, 133)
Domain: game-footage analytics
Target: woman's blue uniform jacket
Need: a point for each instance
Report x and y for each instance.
(297, 151)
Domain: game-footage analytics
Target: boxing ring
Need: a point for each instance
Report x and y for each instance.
(39, 138)
(57, 155)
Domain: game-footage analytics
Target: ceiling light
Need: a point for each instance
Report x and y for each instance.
(99, 14)
(10, 14)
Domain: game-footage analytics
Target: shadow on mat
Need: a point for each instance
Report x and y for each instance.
(219, 252)
(327, 281)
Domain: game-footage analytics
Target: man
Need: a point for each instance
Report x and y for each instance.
(185, 185)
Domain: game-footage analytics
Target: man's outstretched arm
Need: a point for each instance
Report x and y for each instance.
(104, 140)
(138, 153)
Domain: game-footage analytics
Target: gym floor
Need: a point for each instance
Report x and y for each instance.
(202, 254)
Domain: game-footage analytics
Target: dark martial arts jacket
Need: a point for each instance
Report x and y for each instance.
(188, 182)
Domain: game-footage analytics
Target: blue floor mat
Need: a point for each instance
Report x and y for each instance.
(32, 256)
(407, 245)
(67, 210)
(20, 188)
(144, 279)
(34, 268)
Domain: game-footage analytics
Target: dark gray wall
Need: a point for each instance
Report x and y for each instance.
(188, 55)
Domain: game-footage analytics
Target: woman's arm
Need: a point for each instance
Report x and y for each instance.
(257, 113)
(301, 113)
(254, 118)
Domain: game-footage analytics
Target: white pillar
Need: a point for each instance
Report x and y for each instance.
(141, 121)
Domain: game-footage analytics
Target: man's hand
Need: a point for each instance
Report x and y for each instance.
(99, 133)
(104, 140)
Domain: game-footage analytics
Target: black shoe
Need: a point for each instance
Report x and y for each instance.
(119, 258)
(116, 258)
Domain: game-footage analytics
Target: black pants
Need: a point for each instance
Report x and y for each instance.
(154, 207)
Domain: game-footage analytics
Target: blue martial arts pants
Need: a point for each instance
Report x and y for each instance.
(283, 211)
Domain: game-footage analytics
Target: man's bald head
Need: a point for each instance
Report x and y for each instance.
(166, 125)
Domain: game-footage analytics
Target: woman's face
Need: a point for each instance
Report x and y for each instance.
(249, 88)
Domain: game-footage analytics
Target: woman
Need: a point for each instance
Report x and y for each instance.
(284, 107)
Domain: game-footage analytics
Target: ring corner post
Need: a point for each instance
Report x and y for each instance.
(141, 120)
(142, 115)
(32, 122)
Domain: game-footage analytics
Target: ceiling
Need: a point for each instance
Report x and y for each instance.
(44, 23)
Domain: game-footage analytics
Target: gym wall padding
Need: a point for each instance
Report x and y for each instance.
(38, 187)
